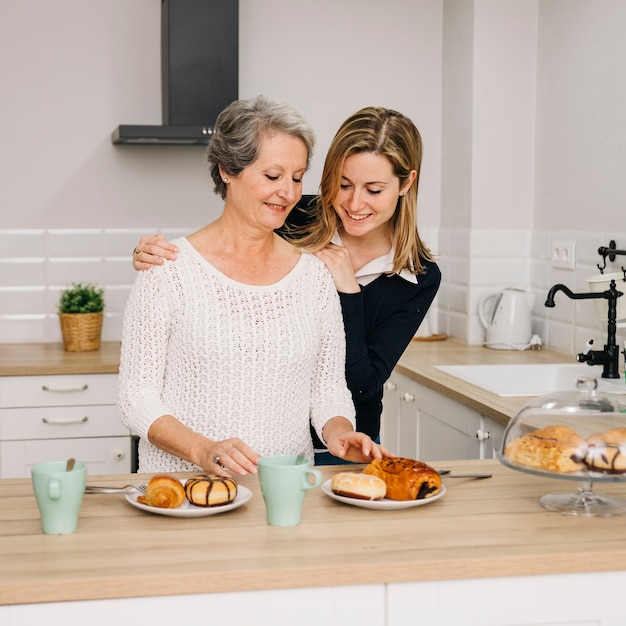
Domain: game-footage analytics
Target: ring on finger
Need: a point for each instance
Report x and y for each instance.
(136, 251)
(216, 459)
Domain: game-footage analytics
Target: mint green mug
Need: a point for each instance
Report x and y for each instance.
(284, 481)
(59, 494)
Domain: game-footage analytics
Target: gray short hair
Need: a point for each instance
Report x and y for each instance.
(240, 128)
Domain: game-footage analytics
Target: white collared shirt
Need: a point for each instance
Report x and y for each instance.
(372, 270)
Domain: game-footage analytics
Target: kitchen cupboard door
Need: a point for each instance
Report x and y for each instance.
(399, 418)
(420, 423)
(490, 436)
(101, 455)
(52, 418)
(328, 606)
(447, 429)
(589, 599)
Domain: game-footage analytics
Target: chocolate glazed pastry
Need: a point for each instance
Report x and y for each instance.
(210, 490)
(607, 451)
(406, 479)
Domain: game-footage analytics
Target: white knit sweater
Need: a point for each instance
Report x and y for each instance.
(232, 360)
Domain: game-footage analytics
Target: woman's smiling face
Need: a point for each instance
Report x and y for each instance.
(269, 188)
(368, 195)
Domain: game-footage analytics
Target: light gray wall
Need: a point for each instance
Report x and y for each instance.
(581, 116)
(520, 103)
(72, 70)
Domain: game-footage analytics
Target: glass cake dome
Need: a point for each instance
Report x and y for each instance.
(577, 435)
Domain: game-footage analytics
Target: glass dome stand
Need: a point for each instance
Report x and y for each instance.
(584, 502)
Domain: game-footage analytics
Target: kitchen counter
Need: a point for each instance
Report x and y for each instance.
(479, 528)
(420, 358)
(34, 359)
(418, 362)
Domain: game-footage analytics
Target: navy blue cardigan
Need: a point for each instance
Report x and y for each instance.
(380, 322)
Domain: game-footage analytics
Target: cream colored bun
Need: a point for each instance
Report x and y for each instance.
(360, 486)
(163, 492)
(406, 479)
(555, 448)
(607, 451)
(210, 490)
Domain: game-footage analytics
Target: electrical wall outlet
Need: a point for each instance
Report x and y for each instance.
(564, 253)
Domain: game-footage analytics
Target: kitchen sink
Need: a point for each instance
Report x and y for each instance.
(531, 380)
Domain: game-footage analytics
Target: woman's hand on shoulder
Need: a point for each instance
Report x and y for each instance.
(338, 263)
(153, 250)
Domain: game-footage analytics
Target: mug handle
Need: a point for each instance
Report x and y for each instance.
(54, 489)
(305, 479)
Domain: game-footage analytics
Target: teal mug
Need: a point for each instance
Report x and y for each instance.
(59, 495)
(284, 481)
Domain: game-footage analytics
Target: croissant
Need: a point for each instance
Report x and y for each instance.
(163, 492)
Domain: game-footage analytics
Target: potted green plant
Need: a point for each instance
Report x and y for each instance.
(81, 308)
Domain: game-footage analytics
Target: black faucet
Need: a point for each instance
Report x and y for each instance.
(609, 357)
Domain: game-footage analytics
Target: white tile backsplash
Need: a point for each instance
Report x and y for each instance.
(22, 243)
(75, 243)
(63, 271)
(35, 265)
(22, 300)
(22, 272)
(523, 259)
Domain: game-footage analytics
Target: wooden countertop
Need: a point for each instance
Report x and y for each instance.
(479, 528)
(418, 362)
(34, 359)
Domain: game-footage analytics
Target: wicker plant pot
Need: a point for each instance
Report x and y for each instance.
(81, 331)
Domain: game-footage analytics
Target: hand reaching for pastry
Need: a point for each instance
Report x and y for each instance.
(343, 442)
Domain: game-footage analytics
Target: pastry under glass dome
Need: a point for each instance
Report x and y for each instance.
(577, 435)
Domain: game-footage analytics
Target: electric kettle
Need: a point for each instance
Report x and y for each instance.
(506, 317)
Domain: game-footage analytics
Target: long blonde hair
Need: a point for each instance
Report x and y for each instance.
(394, 136)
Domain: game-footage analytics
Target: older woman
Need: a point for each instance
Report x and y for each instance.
(363, 226)
(234, 350)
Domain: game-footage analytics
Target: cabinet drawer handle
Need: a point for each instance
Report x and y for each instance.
(483, 435)
(408, 397)
(64, 389)
(390, 386)
(82, 420)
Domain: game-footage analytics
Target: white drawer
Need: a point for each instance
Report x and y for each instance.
(60, 422)
(79, 389)
(104, 455)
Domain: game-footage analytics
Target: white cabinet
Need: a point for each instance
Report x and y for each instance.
(587, 599)
(52, 418)
(420, 423)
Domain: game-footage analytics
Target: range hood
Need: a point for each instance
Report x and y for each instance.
(199, 72)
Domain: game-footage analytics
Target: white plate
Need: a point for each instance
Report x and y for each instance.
(383, 504)
(186, 509)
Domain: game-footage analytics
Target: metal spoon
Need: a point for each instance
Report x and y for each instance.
(69, 466)
(447, 472)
